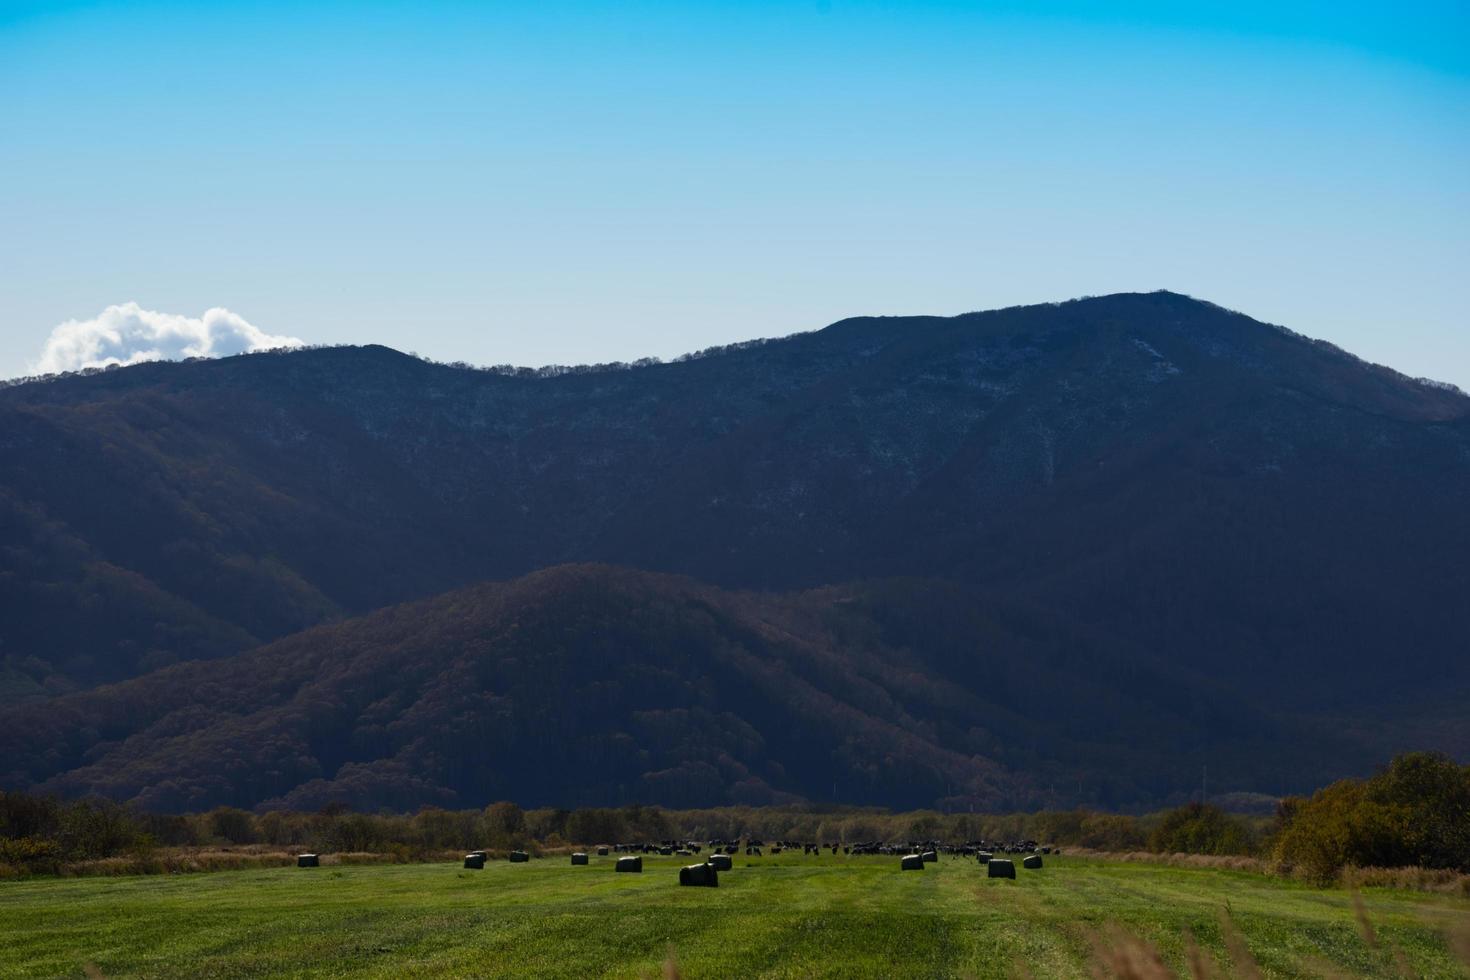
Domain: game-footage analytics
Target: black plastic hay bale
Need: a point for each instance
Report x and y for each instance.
(929, 857)
(629, 863)
(1032, 861)
(579, 858)
(1000, 868)
(308, 861)
(602, 851)
(984, 857)
(721, 862)
(475, 862)
(519, 857)
(911, 862)
(699, 875)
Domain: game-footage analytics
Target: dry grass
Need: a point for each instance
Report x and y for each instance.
(1370, 936)
(1435, 880)
(1126, 957)
(1457, 937)
(1228, 862)
(1196, 958)
(668, 971)
(193, 860)
(1123, 956)
(1240, 955)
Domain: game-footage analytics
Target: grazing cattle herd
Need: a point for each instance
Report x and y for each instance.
(912, 855)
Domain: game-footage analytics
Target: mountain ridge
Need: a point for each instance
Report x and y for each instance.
(839, 327)
(1181, 485)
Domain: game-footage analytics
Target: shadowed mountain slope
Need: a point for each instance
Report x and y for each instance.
(1218, 491)
(597, 685)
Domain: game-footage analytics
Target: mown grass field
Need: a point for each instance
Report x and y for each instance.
(777, 916)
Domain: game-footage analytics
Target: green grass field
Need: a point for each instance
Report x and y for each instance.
(777, 916)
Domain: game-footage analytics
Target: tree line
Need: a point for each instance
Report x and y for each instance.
(1414, 813)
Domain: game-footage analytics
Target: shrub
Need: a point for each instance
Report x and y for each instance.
(1425, 798)
(1109, 832)
(32, 855)
(1198, 828)
(1414, 813)
(95, 828)
(505, 825)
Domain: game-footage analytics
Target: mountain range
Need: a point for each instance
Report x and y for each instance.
(1035, 556)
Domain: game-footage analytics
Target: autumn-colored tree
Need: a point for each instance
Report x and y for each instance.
(1198, 828)
(1415, 812)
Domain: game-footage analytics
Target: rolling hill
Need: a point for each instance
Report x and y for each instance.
(593, 684)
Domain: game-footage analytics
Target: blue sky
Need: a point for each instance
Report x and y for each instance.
(569, 182)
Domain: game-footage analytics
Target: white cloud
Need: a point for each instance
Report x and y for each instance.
(128, 334)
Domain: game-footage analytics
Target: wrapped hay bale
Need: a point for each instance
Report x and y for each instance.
(911, 862)
(474, 862)
(721, 862)
(1000, 868)
(578, 857)
(929, 857)
(308, 861)
(629, 863)
(699, 875)
(602, 850)
(519, 857)
(984, 857)
(1032, 861)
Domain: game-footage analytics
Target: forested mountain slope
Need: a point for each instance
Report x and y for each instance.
(1250, 504)
(597, 685)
